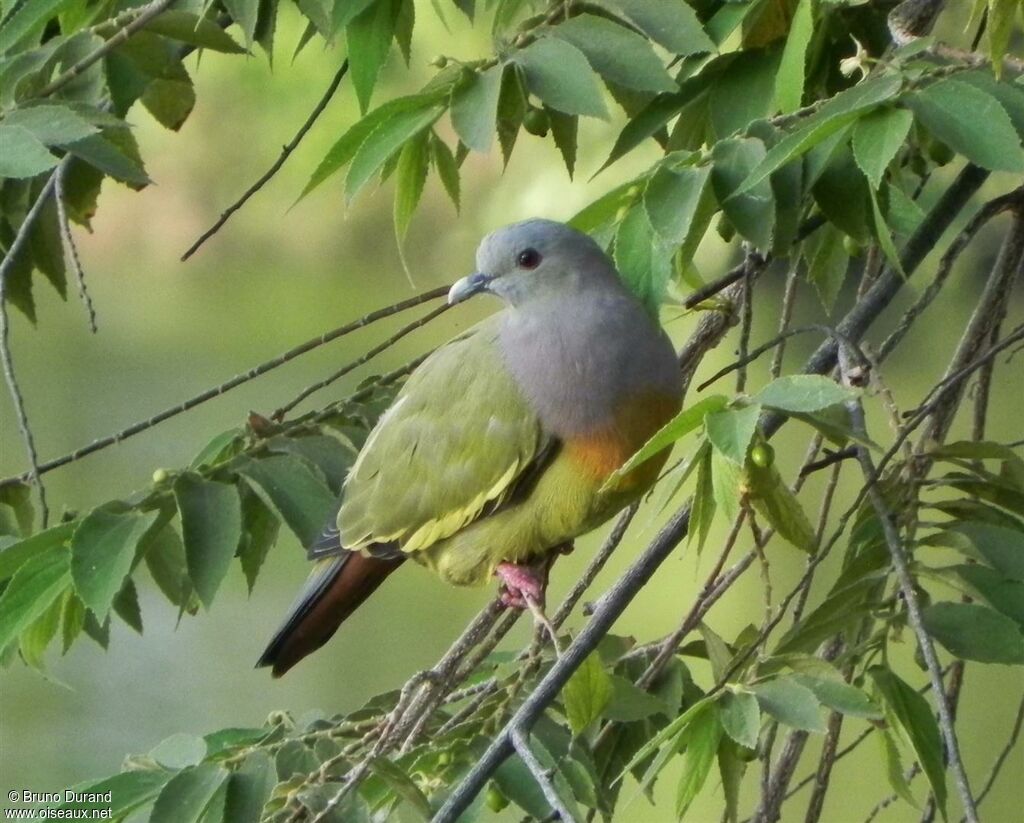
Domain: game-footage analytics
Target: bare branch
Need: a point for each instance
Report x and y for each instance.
(234, 382)
(1004, 754)
(286, 152)
(541, 775)
(70, 249)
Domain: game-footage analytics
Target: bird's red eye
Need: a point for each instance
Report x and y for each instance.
(528, 259)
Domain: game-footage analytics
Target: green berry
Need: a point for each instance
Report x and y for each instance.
(439, 62)
(496, 801)
(160, 476)
(940, 152)
(726, 230)
(536, 121)
(852, 247)
(762, 455)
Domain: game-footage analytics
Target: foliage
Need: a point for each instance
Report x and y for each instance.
(796, 126)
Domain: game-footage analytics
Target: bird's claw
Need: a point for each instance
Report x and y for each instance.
(521, 584)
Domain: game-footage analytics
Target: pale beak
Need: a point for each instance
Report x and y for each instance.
(468, 286)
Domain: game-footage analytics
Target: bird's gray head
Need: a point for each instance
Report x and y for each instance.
(535, 259)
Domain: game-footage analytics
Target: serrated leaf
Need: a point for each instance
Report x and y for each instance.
(369, 36)
(741, 717)
(970, 122)
(1000, 547)
(474, 109)
(702, 739)
(803, 393)
(1000, 29)
(102, 550)
(672, 199)
(410, 178)
(643, 260)
(836, 114)
(564, 131)
(24, 154)
(679, 426)
(790, 703)
(974, 632)
(51, 124)
(246, 14)
(126, 605)
(731, 430)
(774, 501)
(342, 152)
(249, 787)
(559, 74)
(186, 796)
(629, 702)
(384, 141)
(179, 751)
(586, 693)
(827, 263)
(877, 137)
(190, 28)
(618, 54)
(169, 101)
(21, 20)
(841, 697)
(670, 23)
(1007, 596)
(211, 528)
(789, 82)
(165, 559)
(910, 711)
(114, 153)
(260, 529)
(128, 791)
(751, 209)
(702, 511)
(36, 637)
(291, 489)
(16, 555)
(894, 767)
(447, 168)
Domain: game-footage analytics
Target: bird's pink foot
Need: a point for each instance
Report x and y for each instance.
(522, 583)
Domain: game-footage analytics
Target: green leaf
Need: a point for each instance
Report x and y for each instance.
(114, 153)
(586, 693)
(731, 768)
(179, 751)
(877, 137)
(211, 526)
(669, 23)
(16, 513)
(36, 638)
(672, 199)
(1000, 29)
(702, 739)
(51, 124)
(702, 508)
(827, 263)
(511, 108)
(564, 131)
(841, 697)
(32, 590)
(741, 93)
(974, 632)
(836, 114)
(447, 168)
(678, 427)
(1005, 595)
(910, 712)
(25, 18)
(751, 209)
(342, 152)
(790, 703)
(169, 101)
(1000, 547)
(789, 82)
(291, 489)
(559, 74)
(126, 605)
(894, 767)
(740, 716)
(803, 393)
(730, 431)
(249, 788)
(190, 28)
(474, 109)
(245, 13)
(102, 550)
(629, 702)
(165, 559)
(618, 54)
(386, 139)
(260, 529)
(970, 122)
(185, 798)
(774, 501)
(516, 783)
(128, 791)
(410, 177)
(369, 36)
(24, 154)
(643, 260)
(727, 478)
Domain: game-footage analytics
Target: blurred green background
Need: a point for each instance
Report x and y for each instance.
(276, 276)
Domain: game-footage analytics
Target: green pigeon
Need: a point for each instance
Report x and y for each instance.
(496, 453)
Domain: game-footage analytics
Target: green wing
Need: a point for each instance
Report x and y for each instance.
(452, 445)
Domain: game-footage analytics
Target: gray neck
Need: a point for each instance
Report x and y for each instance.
(577, 358)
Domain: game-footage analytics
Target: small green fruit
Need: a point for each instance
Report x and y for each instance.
(444, 758)
(536, 121)
(852, 247)
(160, 476)
(726, 230)
(940, 152)
(762, 455)
(439, 62)
(496, 801)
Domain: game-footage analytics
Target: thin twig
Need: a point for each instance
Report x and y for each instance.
(286, 151)
(70, 249)
(153, 10)
(364, 358)
(906, 583)
(541, 775)
(785, 317)
(234, 382)
(20, 239)
(1003, 755)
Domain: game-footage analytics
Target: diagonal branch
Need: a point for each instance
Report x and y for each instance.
(269, 173)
